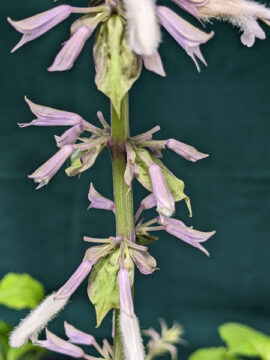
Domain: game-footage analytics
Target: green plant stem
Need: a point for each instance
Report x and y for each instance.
(123, 196)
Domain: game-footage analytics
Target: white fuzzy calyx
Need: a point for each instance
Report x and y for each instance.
(36, 321)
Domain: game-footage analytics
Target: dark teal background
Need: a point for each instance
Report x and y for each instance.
(224, 111)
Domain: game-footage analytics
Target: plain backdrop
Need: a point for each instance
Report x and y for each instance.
(223, 111)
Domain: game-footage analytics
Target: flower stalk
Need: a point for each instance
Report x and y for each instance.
(123, 196)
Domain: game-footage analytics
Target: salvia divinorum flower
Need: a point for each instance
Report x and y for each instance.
(36, 321)
(163, 196)
(192, 237)
(98, 201)
(186, 151)
(187, 35)
(77, 336)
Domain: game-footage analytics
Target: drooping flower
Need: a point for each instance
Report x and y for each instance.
(36, 320)
(143, 29)
(71, 50)
(69, 136)
(39, 24)
(77, 336)
(189, 235)
(154, 63)
(55, 343)
(46, 171)
(133, 346)
(147, 203)
(74, 281)
(164, 199)
(186, 151)
(98, 201)
(242, 13)
(187, 35)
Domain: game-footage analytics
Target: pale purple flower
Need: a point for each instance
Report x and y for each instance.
(55, 343)
(242, 13)
(192, 237)
(46, 171)
(47, 116)
(77, 336)
(69, 136)
(164, 199)
(191, 5)
(147, 203)
(145, 263)
(187, 35)
(98, 201)
(143, 29)
(30, 326)
(154, 63)
(74, 281)
(126, 303)
(39, 24)
(186, 151)
(71, 50)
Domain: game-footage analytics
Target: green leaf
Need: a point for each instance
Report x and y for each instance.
(175, 185)
(27, 352)
(103, 286)
(243, 340)
(117, 66)
(219, 353)
(20, 291)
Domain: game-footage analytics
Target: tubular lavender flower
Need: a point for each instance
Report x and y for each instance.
(71, 50)
(164, 199)
(38, 25)
(55, 343)
(98, 201)
(192, 237)
(186, 151)
(187, 36)
(127, 35)
(46, 171)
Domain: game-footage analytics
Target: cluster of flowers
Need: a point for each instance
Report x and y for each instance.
(143, 19)
(86, 150)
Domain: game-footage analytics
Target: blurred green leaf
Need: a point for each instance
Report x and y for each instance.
(20, 291)
(243, 340)
(27, 352)
(219, 353)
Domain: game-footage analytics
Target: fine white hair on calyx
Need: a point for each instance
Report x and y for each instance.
(131, 335)
(36, 321)
(143, 27)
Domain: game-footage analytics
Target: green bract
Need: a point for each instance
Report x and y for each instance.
(117, 66)
(20, 291)
(103, 286)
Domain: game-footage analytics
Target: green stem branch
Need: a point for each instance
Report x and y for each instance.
(123, 196)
